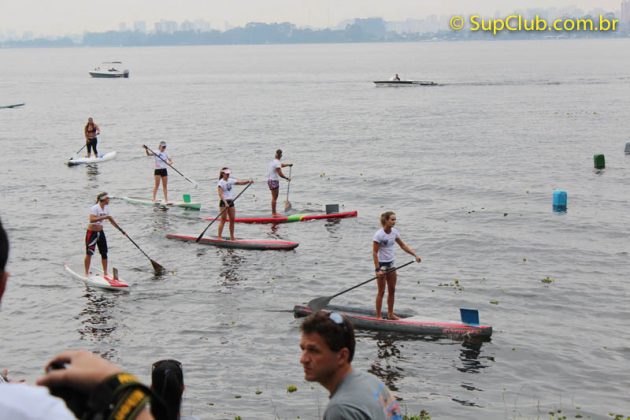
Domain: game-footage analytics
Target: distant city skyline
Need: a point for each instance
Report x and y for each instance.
(64, 17)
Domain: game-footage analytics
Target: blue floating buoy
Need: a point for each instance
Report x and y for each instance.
(627, 148)
(559, 200)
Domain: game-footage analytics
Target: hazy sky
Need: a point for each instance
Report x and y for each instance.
(56, 17)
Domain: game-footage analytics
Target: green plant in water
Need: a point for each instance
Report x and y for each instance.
(291, 388)
(424, 415)
(547, 280)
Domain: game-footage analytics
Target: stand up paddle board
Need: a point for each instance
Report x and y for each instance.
(363, 318)
(303, 217)
(75, 160)
(99, 280)
(259, 244)
(192, 205)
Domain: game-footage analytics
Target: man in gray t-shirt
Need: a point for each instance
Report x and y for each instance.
(327, 344)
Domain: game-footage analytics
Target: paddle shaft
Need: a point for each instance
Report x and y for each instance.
(82, 147)
(221, 213)
(289, 183)
(373, 278)
(287, 204)
(172, 167)
(157, 267)
(319, 303)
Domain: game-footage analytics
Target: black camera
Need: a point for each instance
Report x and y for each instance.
(76, 400)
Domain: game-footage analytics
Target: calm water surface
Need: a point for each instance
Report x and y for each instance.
(469, 167)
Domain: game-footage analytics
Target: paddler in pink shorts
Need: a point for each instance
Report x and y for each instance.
(273, 179)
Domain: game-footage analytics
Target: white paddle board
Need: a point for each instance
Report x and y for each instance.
(77, 160)
(99, 280)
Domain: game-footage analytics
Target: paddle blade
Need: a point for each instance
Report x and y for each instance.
(157, 267)
(287, 206)
(319, 303)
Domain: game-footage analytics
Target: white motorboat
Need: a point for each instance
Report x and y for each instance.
(109, 70)
(404, 83)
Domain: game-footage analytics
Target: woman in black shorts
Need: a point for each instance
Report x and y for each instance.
(91, 130)
(226, 199)
(161, 163)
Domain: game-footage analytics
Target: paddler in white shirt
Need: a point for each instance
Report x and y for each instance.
(226, 199)
(383, 256)
(95, 236)
(160, 173)
(273, 179)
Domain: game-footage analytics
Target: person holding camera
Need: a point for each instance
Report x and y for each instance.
(90, 386)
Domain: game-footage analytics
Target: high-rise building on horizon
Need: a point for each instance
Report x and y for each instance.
(140, 26)
(166, 26)
(625, 12)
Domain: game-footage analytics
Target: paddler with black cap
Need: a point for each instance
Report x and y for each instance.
(161, 163)
(95, 236)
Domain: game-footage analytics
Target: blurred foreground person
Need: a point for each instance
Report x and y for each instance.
(91, 387)
(327, 344)
(167, 382)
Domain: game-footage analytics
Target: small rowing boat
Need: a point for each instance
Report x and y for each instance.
(99, 280)
(409, 323)
(404, 83)
(259, 244)
(83, 160)
(191, 205)
(303, 217)
(12, 106)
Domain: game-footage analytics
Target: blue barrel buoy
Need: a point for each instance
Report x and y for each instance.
(599, 161)
(627, 148)
(559, 200)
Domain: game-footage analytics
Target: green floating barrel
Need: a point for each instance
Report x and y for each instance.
(186, 198)
(599, 161)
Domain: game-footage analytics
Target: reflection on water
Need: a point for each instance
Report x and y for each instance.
(470, 357)
(332, 225)
(161, 221)
(385, 367)
(97, 321)
(390, 358)
(92, 174)
(230, 263)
